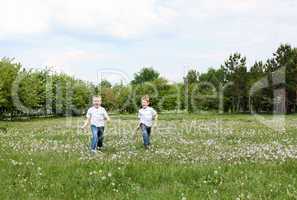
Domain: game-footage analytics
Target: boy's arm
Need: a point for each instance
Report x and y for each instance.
(87, 122)
(138, 123)
(106, 116)
(155, 117)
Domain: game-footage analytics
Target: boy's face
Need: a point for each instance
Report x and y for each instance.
(96, 102)
(144, 103)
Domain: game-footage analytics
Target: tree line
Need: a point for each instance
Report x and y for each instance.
(266, 86)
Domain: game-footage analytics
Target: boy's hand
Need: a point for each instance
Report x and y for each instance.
(84, 128)
(155, 125)
(134, 134)
(86, 124)
(138, 126)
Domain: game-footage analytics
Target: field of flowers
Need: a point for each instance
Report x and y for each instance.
(192, 157)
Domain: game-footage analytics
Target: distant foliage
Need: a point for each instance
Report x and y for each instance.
(145, 75)
(266, 86)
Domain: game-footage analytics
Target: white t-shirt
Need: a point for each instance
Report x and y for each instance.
(147, 115)
(97, 115)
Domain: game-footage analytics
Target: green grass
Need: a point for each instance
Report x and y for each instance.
(192, 157)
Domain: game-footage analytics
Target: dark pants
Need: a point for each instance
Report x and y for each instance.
(146, 134)
(97, 137)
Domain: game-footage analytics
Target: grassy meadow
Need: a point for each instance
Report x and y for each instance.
(192, 157)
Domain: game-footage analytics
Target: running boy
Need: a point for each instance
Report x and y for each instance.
(96, 117)
(146, 116)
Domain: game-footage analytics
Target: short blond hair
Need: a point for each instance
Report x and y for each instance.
(97, 97)
(146, 98)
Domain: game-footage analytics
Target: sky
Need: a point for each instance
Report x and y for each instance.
(113, 39)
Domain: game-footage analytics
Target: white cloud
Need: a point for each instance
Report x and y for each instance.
(23, 17)
(63, 61)
(130, 19)
(60, 59)
(202, 33)
(123, 19)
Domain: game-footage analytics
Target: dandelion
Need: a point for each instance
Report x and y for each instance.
(92, 173)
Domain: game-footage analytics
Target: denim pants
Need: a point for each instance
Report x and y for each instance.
(97, 137)
(146, 133)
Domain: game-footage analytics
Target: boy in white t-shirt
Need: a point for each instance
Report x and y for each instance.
(96, 117)
(146, 116)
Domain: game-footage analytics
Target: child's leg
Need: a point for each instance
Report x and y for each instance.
(145, 134)
(100, 136)
(149, 134)
(94, 138)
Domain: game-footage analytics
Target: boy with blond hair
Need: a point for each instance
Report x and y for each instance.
(146, 117)
(96, 117)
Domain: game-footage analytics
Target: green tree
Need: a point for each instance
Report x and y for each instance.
(81, 95)
(258, 100)
(30, 91)
(145, 75)
(190, 81)
(192, 77)
(105, 84)
(285, 58)
(8, 73)
(236, 72)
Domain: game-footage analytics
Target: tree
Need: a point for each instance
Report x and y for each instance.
(8, 73)
(286, 58)
(212, 79)
(190, 81)
(236, 72)
(145, 75)
(192, 77)
(30, 91)
(124, 98)
(81, 96)
(258, 100)
(104, 84)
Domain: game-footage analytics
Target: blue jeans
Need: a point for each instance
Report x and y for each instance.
(146, 133)
(97, 137)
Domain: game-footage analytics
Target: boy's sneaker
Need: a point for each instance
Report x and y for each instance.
(100, 149)
(93, 151)
(146, 147)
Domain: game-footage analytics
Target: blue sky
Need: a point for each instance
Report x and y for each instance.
(87, 38)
